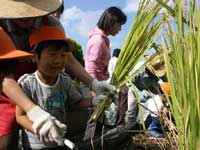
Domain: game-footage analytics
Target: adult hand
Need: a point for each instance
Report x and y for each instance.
(46, 126)
(97, 99)
(102, 86)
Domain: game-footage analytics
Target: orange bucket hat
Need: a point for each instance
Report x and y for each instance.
(47, 33)
(7, 48)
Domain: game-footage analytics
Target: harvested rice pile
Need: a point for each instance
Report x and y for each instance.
(145, 141)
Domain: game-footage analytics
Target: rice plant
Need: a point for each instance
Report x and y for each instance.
(183, 70)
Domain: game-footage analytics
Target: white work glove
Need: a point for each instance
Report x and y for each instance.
(102, 86)
(52, 131)
(43, 125)
(57, 132)
(97, 99)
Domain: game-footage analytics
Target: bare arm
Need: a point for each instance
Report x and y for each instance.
(77, 69)
(15, 93)
(41, 121)
(74, 67)
(23, 120)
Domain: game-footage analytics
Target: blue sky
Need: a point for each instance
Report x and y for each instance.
(81, 16)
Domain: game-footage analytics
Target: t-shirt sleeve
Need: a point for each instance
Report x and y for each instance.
(24, 83)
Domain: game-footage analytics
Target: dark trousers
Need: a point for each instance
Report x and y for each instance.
(9, 141)
(123, 96)
(54, 148)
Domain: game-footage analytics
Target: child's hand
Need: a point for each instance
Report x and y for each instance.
(39, 117)
(45, 126)
(57, 132)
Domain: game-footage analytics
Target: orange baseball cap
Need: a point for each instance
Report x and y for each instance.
(46, 33)
(7, 48)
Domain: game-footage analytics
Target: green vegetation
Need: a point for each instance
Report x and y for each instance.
(181, 50)
(183, 70)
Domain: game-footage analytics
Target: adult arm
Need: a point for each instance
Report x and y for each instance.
(23, 120)
(77, 69)
(16, 94)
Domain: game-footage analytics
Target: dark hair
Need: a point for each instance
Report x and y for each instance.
(57, 44)
(8, 66)
(110, 17)
(116, 52)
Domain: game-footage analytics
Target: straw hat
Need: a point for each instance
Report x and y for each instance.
(8, 50)
(12, 9)
(46, 33)
(155, 65)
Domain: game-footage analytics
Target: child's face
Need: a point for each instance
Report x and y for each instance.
(115, 30)
(51, 61)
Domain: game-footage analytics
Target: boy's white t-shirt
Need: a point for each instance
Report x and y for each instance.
(55, 99)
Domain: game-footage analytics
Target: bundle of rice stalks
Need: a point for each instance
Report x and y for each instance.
(140, 38)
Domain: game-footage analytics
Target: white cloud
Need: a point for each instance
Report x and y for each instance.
(79, 21)
(131, 6)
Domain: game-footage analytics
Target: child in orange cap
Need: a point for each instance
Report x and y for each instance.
(49, 87)
(9, 56)
(8, 125)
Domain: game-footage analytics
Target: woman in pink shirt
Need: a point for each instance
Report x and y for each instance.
(98, 46)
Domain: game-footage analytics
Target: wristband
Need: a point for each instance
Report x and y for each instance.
(32, 108)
